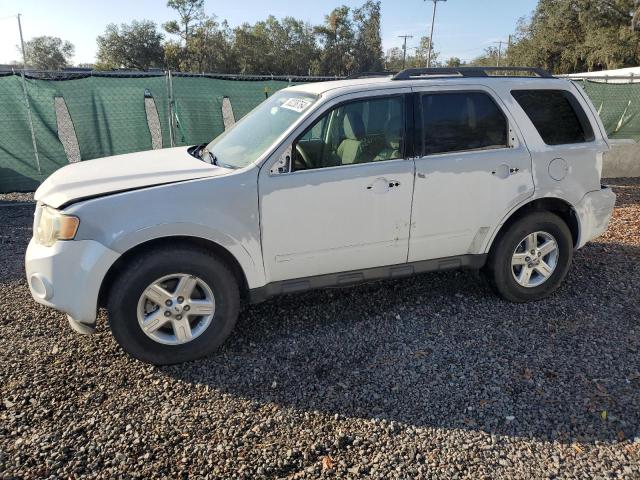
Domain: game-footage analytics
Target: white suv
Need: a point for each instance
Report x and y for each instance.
(321, 185)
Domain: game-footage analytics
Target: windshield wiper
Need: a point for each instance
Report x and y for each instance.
(198, 151)
(213, 160)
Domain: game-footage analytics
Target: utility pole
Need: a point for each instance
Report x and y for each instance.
(404, 49)
(500, 42)
(433, 21)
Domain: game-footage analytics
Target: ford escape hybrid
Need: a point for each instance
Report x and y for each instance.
(326, 184)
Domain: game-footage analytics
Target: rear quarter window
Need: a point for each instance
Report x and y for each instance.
(557, 116)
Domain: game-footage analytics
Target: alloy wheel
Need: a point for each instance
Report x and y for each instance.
(535, 259)
(176, 309)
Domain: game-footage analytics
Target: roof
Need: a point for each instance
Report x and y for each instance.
(319, 88)
(339, 87)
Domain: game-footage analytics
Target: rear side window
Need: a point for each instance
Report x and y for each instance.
(459, 121)
(556, 114)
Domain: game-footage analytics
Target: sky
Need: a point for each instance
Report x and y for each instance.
(463, 28)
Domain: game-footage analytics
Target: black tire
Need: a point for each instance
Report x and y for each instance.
(499, 267)
(142, 271)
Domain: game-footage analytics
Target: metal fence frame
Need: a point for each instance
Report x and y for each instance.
(631, 78)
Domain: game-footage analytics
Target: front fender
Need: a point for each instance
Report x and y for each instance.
(223, 210)
(251, 267)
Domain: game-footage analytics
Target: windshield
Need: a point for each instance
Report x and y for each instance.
(253, 134)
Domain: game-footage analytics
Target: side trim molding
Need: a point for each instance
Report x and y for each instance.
(353, 277)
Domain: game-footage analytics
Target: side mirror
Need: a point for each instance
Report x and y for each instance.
(283, 165)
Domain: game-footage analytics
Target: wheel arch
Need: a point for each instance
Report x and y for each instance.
(173, 241)
(555, 205)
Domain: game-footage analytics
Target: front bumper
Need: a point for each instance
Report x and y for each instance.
(594, 213)
(67, 276)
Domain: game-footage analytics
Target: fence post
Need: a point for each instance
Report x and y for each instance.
(631, 77)
(26, 98)
(33, 133)
(170, 109)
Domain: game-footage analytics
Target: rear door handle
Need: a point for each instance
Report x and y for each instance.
(504, 170)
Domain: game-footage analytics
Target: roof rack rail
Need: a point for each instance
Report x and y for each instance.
(369, 74)
(416, 73)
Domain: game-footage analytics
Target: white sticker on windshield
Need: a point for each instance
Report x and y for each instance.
(297, 104)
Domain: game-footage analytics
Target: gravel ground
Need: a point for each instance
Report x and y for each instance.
(15, 197)
(429, 377)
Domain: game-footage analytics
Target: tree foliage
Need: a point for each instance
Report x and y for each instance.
(135, 46)
(368, 43)
(273, 46)
(48, 53)
(416, 59)
(337, 40)
(191, 12)
(347, 42)
(566, 36)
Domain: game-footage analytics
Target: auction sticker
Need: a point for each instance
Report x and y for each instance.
(298, 105)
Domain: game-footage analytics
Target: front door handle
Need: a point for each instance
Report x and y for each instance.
(382, 185)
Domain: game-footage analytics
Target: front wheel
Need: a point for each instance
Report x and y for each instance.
(531, 258)
(173, 305)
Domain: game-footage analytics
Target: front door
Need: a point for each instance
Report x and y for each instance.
(472, 168)
(346, 203)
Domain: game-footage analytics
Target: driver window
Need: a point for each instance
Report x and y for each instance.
(356, 132)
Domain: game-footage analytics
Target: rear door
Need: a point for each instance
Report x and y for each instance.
(472, 167)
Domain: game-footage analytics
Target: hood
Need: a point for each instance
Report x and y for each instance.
(123, 172)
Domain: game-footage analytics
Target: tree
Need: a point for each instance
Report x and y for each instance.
(422, 54)
(348, 41)
(489, 58)
(454, 62)
(173, 55)
(368, 43)
(209, 48)
(190, 12)
(48, 53)
(393, 59)
(286, 47)
(136, 46)
(301, 49)
(566, 36)
(337, 40)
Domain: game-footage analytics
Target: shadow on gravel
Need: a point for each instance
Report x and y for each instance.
(17, 220)
(626, 190)
(441, 350)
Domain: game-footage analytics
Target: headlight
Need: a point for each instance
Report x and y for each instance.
(51, 225)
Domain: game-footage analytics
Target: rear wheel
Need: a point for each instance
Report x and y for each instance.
(531, 258)
(173, 305)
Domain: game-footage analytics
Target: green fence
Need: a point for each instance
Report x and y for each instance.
(88, 115)
(107, 115)
(618, 105)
